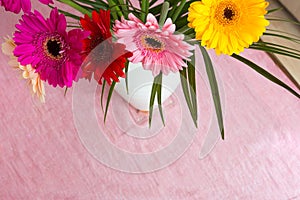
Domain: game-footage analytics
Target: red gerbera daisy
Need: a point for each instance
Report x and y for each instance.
(103, 57)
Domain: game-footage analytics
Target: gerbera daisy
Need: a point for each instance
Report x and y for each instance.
(102, 57)
(45, 44)
(159, 49)
(228, 26)
(34, 80)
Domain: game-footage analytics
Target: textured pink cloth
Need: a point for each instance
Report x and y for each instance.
(42, 157)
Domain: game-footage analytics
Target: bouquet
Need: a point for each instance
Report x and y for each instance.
(162, 35)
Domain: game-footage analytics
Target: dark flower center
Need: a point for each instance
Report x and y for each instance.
(95, 42)
(54, 47)
(102, 53)
(153, 42)
(229, 13)
(105, 51)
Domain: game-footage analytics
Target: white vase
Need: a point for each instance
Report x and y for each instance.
(140, 84)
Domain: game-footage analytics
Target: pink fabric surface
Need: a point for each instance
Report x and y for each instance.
(42, 157)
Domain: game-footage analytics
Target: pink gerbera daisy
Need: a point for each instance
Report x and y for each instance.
(159, 49)
(48, 48)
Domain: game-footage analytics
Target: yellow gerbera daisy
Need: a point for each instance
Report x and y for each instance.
(228, 26)
(28, 72)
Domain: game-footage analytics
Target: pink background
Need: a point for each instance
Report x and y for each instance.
(42, 157)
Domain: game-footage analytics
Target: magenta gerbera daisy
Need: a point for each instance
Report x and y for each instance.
(48, 48)
(159, 49)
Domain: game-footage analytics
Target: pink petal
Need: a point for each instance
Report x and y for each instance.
(152, 20)
(169, 26)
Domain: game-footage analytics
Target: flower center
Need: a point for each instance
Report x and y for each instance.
(95, 42)
(227, 13)
(102, 53)
(53, 48)
(105, 52)
(152, 43)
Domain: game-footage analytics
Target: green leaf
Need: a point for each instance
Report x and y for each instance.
(111, 89)
(183, 29)
(274, 10)
(95, 5)
(192, 83)
(144, 4)
(155, 10)
(123, 6)
(283, 37)
(102, 93)
(173, 6)
(164, 13)
(181, 22)
(284, 48)
(156, 90)
(159, 98)
(114, 15)
(76, 6)
(126, 78)
(284, 32)
(185, 89)
(178, 10)
(283, 20)
(276, 50)
(214, 89)
(67, 14)
(152, 98)
(116, 11)
(266, 74)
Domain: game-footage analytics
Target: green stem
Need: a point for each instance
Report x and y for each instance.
(116, 12)
(178, 10)
(184, 29)
(75, 6)
(145, 10)
(124, 7)
(164, 13)
(159, 98)
(174, 6)
(126, 78)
